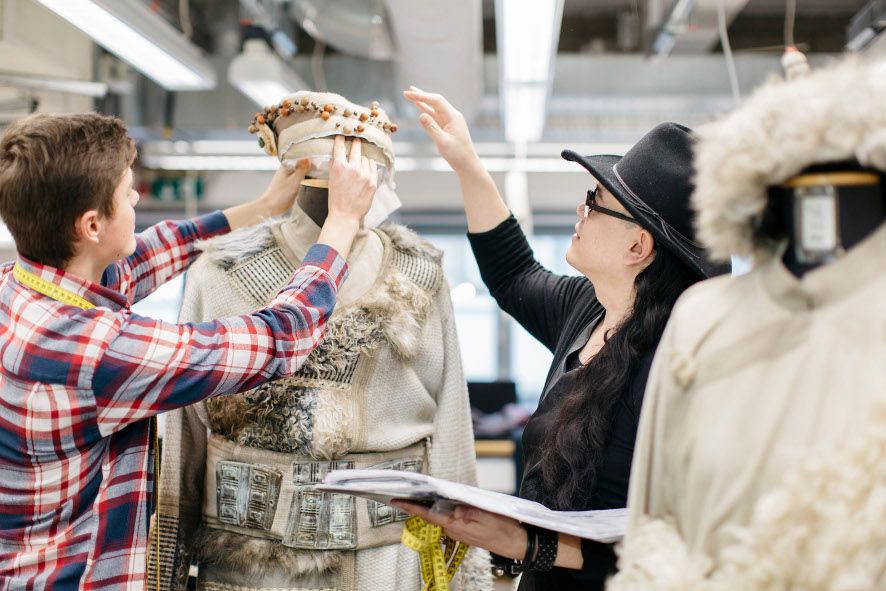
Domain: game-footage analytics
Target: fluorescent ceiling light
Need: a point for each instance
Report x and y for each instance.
(94, 89)
(524, 109)
(261, 75)
(264, 92)
(141, 38)
(529, 31)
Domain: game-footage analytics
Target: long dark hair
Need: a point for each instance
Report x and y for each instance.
(572, 448)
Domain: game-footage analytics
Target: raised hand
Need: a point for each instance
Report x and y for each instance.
(446, 126)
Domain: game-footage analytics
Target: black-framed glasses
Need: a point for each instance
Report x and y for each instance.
(591, 204)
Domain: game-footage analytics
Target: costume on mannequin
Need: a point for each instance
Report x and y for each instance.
(384, 389)
(760, 456)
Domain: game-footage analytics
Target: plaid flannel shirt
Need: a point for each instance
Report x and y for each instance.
(77, 388)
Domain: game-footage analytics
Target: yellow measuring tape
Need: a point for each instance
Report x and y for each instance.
(438, 564)
(60, 294)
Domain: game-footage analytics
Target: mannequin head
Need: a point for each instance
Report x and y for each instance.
(303, 126)
(823, 212)
(750, 157)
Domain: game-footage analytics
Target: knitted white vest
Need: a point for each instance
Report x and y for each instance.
(386, 377)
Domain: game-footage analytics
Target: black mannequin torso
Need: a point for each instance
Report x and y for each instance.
(857, 210)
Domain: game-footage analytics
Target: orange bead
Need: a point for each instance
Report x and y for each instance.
(363, 116)
(328, 108)
(360, 128)
(374, 112)
(286, 103)
(260, 119)
(284, 112)
(324, 115)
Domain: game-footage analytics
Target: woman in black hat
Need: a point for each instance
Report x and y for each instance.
(634, 245)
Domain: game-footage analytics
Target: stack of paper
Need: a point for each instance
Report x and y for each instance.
(605, 526)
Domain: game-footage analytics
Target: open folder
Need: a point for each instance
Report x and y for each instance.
(605, 526)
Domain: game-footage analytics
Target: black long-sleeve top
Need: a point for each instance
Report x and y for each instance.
(560, 312)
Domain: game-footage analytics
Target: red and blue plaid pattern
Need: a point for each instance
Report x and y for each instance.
(77, 387)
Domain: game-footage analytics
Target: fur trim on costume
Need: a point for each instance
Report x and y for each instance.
(408, 241)
(257, 558)
(822, 530)
(227, 250)
(474, 572)
(277, 416)
(834, 114)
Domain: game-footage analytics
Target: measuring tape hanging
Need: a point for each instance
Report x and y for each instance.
(438, 564)
(60, 294)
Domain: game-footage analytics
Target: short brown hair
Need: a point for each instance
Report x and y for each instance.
(53, 169)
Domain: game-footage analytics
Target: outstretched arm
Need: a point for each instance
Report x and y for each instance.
(446, 126)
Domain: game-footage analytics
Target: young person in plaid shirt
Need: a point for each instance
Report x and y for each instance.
(79, 383)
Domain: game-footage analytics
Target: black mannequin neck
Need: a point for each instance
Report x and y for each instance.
(860, 211)
(313, 199)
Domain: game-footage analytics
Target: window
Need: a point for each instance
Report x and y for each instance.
(494, 346)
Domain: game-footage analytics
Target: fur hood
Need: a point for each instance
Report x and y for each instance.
(833, 114)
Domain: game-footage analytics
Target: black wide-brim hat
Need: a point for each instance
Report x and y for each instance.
(653, 181)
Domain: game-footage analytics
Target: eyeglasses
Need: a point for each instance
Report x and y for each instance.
(591, 204)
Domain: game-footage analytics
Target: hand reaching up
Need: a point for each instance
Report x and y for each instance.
(446, 126)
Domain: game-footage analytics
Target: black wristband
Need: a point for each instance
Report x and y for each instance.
(502, 566)
(548, 542)
(531, 542)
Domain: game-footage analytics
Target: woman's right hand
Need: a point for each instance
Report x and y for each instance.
(447, 127)
(352, 185)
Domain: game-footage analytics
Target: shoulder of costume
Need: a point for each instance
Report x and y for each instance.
(233, 248)
(406, 240)
(707, 305)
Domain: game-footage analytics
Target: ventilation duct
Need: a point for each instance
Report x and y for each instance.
(356, 27)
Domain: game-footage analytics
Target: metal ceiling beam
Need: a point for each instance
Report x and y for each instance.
(686, 26)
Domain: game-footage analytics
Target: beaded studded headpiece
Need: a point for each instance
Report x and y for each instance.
(303, 125)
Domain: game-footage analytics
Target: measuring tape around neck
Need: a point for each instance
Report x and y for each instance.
(49, 289)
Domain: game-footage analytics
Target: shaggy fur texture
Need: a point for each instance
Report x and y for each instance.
(822, 530)
(227, 250)
(834, 114)
(277, 416)
(257, 558)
